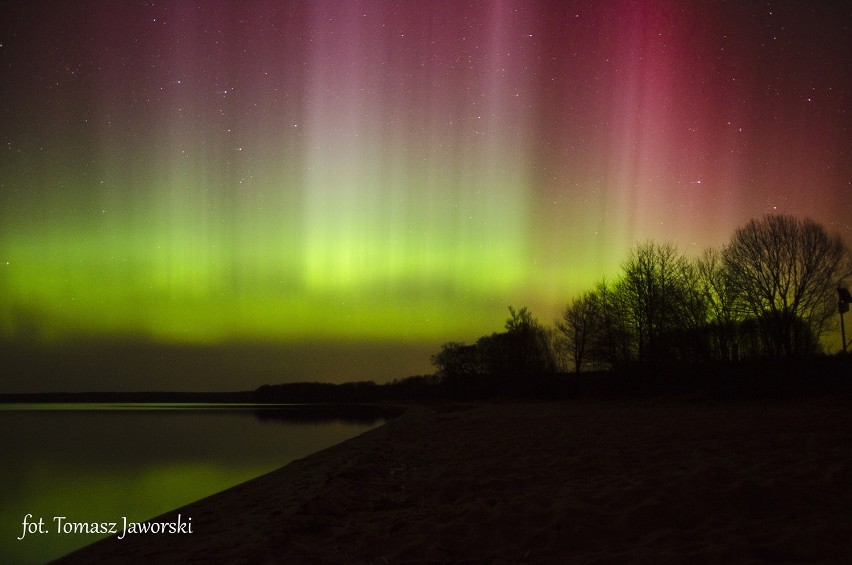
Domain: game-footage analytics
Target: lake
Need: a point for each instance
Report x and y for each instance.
(99, 463)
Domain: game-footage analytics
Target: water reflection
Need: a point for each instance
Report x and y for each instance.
(93, 464)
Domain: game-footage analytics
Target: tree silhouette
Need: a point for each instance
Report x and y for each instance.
(521, 352)
(456, 362)
(785, 271)
(659, 292)
(529, 344)
(770, 291)
(719, 294)
(577, 328)
(616, 342)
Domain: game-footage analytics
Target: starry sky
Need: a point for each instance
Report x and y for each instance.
(371, 176)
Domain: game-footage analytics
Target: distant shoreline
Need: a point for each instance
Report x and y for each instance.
(130, 397)
(364, 413)
(765, 378)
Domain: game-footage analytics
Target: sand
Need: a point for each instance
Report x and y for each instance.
(648, 480)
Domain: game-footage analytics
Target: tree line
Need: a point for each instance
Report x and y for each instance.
(769, 293)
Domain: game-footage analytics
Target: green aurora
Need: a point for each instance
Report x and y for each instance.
(327, 173)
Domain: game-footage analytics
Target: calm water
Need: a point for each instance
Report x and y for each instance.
(92, 463)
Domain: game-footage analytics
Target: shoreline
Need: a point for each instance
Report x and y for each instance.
(212, 514)
(663, 479)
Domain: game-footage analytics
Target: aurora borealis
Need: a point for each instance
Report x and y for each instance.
(391, 172)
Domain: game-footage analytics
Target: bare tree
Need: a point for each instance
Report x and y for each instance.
(657, 285)
(719, 295)
(580, 320)
(785, 271)
(612, 343)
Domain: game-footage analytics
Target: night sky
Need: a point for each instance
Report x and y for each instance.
(391, 174)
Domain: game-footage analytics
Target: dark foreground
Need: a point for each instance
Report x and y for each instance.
(665, 480)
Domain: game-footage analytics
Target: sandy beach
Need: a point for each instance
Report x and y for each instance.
(665, 480)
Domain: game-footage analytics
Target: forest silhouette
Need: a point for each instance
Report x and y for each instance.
(749, 318)
(762, 301)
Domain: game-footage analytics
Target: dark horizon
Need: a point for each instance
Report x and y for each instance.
(123, 365)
